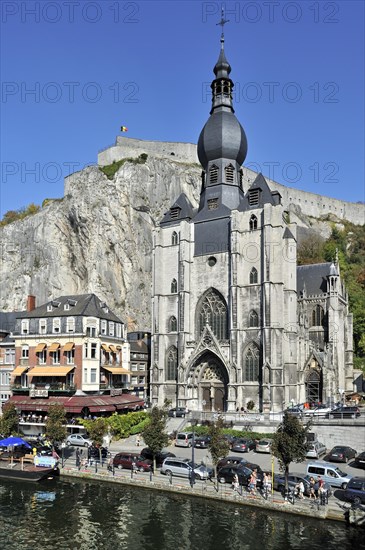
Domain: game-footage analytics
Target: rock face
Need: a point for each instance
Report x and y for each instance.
(98, 237)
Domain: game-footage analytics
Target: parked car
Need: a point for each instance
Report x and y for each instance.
(329, 473)
(344, 412)
(360, 461)
(94, 453)
(231, 460)
(180, 412)
(78, 439)
(130, 461)
(230, 439)
(316, 449)
(320, 410)
(355, 490)
(147, 454)
(227, 473)
(341, 453)
(202, 441)
(293, 479)
(264, 446)
(183, 467)
(184, 439)
(243, 445)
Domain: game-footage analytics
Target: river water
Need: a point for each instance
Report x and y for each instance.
(88, 515)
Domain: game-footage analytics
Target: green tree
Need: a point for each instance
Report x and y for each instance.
(290, 443)
(97, 429)
(9, 421)
(218, 445)
(154, 433)
(56, 424)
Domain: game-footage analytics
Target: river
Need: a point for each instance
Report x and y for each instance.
(89, 515)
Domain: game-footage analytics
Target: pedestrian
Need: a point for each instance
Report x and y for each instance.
(77, 458)
(312, 492)
(235, 483)
(321, 490)
(266, 483)
(252, 482)
(299, 488)
(110, 464)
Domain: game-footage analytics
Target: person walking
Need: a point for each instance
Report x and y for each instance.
(312, 492)
(235, 483)
(253, 482)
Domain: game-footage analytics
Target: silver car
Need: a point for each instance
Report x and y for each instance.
(78, 439)
(183, 467)
(316, 449)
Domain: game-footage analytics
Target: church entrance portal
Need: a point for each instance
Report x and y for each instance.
(212, 383)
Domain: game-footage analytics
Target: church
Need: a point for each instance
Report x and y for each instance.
(234, 318)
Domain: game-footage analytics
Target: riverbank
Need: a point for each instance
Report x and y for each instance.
(208, 490)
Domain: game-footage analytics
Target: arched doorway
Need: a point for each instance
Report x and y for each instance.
(313, 385)
(212, 382)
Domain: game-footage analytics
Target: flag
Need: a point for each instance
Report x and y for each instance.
(123, 129)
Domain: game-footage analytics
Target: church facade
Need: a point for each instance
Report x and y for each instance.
(234, 318)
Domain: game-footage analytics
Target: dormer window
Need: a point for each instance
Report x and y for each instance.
(66, 307)
(229, 171)
(49, 307)
(25, 326)
(253, 197)
(174, 213)
(213, 174)
(57, 325)
(55, 303)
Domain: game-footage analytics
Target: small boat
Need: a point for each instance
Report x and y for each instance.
(15, 464)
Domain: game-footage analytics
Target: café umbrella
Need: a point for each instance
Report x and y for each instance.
(14, 441)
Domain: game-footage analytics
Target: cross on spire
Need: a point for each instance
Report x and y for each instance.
(222, 22)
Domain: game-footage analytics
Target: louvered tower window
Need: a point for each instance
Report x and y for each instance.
(229, 171)
(213, 174)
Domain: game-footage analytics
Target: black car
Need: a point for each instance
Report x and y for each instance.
(243, 445)
(355, 490)
(231, 461)
(344, 412)
(202, 441)
(178, 412)
(227, 473)
(360, 460)
(341, 453)
(147, 454)
(94, 453)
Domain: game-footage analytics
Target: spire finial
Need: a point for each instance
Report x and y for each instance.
(222, 22)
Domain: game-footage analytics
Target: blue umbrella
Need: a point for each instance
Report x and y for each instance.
(14, 441)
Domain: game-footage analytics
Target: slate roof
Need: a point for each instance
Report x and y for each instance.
(186, 211)
(85, 305)
(8, 320)
(314, 278)
(266, 196)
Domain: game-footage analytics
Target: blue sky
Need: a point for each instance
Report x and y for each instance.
(73, 72)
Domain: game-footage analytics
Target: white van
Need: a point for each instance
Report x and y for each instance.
(184, 439)
(328, 472)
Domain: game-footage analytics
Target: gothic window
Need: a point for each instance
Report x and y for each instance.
(171, 363)
(317, 316)
(229, 171)
(251, 372)
(253, 319)
(253, 276)
(174, 238)
(172, 324)
(253, 223)
(173, 286)
(213, 174)
(213, 312)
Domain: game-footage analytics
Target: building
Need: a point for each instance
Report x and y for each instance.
(7, 354)
(234, 318)
(140, 353)
(72, 350)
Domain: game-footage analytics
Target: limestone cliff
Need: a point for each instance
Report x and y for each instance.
(98, 238)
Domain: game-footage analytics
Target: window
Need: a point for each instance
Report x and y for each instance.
(134, 366)
(56, 357)
(111, 328)
(25, 352)
(173, 286)
(93, 376)
(253, 319)
(253, 276)
(57, 325)
(317, 316)
(25, 326)
(103, 327)
(134, 380)
(42, 326)
(175, 213)
(172, 324)
(93, 354)
(86, 350)
(213, 312)
(253, 223)
(213, 174)
(229, 171)
(171, 364)
(91, 332)
(70, 324)
(212, 204)
(253, 197)
(42, 357)
(85, 376)
(174, 238)
(119, 330)
(70, 357)
(252, 364)
(10, 356)
(142, 366)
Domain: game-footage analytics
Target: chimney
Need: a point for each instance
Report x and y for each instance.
(30, 303)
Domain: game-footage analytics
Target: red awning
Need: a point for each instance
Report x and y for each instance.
(75, 404)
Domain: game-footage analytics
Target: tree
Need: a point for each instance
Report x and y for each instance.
(290, 443)
(9, 422)
(154, 433)
(55, 424)
(96, 430)
(218, 445)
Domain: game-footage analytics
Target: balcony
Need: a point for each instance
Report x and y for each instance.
(54, 388)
